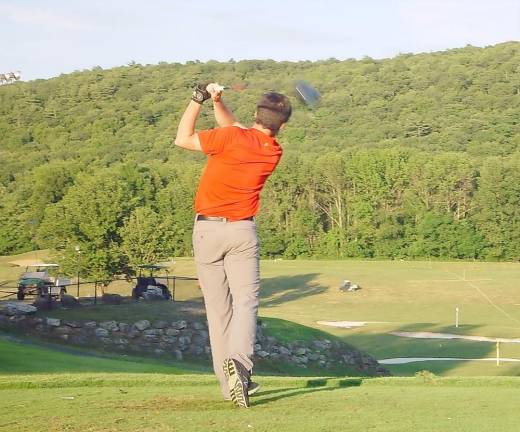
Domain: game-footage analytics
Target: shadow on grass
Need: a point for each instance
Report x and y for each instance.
(282, 289)
(312, 386)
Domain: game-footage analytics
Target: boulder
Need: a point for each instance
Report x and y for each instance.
(112, 299)
(53, 322)
(69, 301)
(102, 333)
(109, 325)
(179, 325)
(142, 325)
(17, 308)
(160, 324)
(43, 303)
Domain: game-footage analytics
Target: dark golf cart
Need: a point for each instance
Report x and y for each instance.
(37, 281)
(145, 284)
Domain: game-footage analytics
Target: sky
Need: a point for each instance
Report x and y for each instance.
(45, 38)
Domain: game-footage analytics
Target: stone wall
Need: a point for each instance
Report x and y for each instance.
(183, 339)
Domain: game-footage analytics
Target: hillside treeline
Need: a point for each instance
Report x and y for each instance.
(415, 156)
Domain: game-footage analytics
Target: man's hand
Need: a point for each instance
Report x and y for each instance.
(200, 93)
(215, 90)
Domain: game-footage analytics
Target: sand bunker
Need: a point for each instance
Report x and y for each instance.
(430, 335)
(349, 324)
(404, 360)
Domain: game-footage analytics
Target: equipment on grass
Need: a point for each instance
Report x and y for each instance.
(150, 284)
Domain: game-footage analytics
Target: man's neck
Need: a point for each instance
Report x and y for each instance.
(268, 132)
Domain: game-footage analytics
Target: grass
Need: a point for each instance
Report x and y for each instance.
(45, 388)
(78, 399)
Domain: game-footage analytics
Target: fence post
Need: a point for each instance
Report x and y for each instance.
(173, 289)
(95, 293)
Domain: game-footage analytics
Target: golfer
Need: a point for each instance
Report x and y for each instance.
(225, 242)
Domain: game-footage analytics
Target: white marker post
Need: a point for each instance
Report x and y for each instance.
(498, 353)
(457, 317)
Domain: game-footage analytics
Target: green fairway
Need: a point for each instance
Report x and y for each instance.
(68, 398)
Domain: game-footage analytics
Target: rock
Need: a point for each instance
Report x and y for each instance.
(101, 332)
(109, 325)
(73, 324)
(16, 319)
(90, 325)
(197, 325)
(258, 347)
(69, 301)
(114, 299)
(142, 325)
(199, 340)
(284, 351)
(303, 359)
(153, 331)
(159, 351)
(62, 330)
(179, 325)
(42, 303)
(262, 354)
(160, 324)
(53, 322)
(123, 327)
(196, 351)
(184, 342)
(169, 339)
(207, 350)
(172, 332)
(300, 351)
(17, 308)
(132, 333)
(321, 345)
(178, 354)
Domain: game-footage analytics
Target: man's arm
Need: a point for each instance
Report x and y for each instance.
(223, 114)
(186, 136)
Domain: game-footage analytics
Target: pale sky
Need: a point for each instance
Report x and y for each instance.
(45, 38)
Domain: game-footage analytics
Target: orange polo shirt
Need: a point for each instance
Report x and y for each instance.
(239, 162)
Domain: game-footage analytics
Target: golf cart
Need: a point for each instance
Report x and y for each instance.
(147, 285)
(37, 281)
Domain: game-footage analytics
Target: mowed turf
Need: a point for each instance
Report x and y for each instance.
(110, 400)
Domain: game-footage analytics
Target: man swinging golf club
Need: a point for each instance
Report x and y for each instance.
(224, 236)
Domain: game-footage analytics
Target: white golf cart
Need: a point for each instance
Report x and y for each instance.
(38, 280)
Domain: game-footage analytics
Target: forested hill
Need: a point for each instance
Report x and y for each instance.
(395, 148)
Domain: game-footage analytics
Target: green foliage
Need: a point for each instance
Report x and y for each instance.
(415, 156)
(146, 239)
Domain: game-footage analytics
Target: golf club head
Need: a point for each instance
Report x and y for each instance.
(307, 93)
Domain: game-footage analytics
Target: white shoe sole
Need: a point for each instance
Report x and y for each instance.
(236, 387)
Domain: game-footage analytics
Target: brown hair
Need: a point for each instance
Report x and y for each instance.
(273, 109)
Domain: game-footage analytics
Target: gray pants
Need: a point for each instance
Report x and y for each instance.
(226, 254)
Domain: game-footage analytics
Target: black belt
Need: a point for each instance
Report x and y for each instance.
(222, 219)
